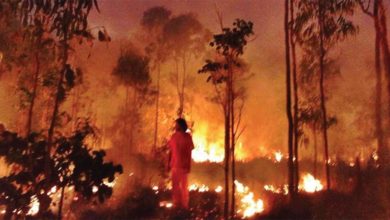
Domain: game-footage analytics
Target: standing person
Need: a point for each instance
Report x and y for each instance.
(180, 146)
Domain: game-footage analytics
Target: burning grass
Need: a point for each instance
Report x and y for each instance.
(261, 194)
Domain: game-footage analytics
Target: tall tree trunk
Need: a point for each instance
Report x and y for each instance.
(382, 147)
(126, 122)
(228, 136)
(178, 89)
(157, 108)
(31, 107)
(56, 103)
(232, 143)
(386, 61)
(133, 121)
(322, 92)
(61, 204)
(315, 151)
(34, 94)
(227, 160)
(288, 102)
(295, 89)
(183, 84)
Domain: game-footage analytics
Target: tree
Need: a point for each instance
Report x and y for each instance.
(73, 163)
(288, 100)
(153, 21)
(295, 94)
(224, 73)
(378, 14)
(132, 70)
(66, 20)
(319, 25)
(185, 37)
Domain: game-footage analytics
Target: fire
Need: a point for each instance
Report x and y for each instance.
(166, 204)
(34, 206)
(273, 189)
(278, 156)
(200, 188)
(248, 206)
(205, 150)
(310, 184)
(214, 153)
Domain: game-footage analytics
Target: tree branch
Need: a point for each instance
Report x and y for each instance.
(366, 8)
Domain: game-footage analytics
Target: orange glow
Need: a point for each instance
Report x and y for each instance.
(310, 184)
(248, 206)
(278, 156)
(206, 150)
(34, 206)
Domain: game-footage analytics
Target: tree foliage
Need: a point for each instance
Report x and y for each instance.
(132, 69)
(73, 163)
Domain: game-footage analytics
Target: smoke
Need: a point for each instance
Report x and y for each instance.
(264, 115)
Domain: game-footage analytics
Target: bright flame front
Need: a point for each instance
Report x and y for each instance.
(311, 184)
(249, 206)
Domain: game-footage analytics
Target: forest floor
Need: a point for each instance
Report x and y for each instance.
(371, 201)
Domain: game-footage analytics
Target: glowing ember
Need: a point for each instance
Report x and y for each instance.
(278, 156)
(34, 206)
(248, 206)
(52, 190)
(273, 189)
(375, 156)
(310, 184)
(218, 189)
(110, 184)
(200, 188)
(166, 204)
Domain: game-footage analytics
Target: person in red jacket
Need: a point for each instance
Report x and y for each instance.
(180, 146)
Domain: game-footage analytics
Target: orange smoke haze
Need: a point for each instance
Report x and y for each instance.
(264, 114)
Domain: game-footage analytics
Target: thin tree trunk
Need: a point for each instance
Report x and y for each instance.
(386, 61)
(178, 88)
(34, 94)
(228, 137)
(31, 107)
(288, 102)
(157, 108)
(378, 101)
(56, 104)
(295, 89)
(126, 122)
(315, 151)
(232, 143)
(227, 160)
(61, 204)
(133, 121)
(183, 85)
(322, 94)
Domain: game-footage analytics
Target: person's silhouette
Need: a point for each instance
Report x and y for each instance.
(181, 146)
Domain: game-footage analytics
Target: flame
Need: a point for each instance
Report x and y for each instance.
(278, 156)
(166, 204)
(200, 188)
(34, 206)
(248, 206)
(206, 150)
(273, 189)
(310, 184)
